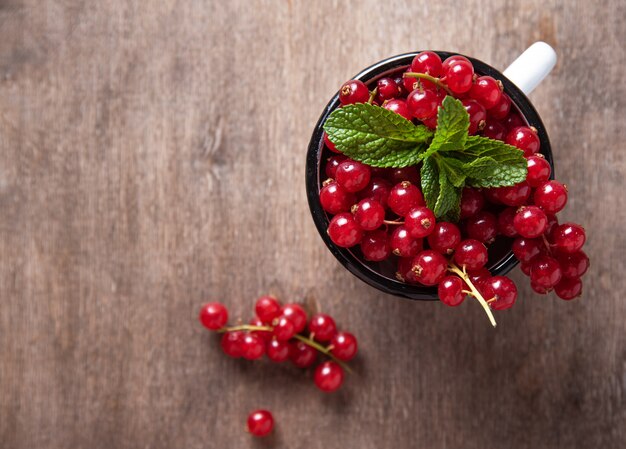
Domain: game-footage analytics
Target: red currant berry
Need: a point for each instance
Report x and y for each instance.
(482, 227)
(378, 189)
(502, 289)
(539, 288)
(445, 237)
(422, 103)
(486, 91)
(332, 163)
(353, 91)
(505, 222)
(477, 115)
(545, 271)
(265, 335)
(526, 249)
(429, 267)
(524, 138)
(231, 343)
(323, 327)
(516, 195)
(410, 174)
(569, 288)
(295, 314)
(369, 214)
(328, 376)
(501, 109)
(478, 276)
(400, 83)
(284, 329)
(252, 347)
(452, 59)
(472, 201)
(399, 107)
(404, 273)
(375, 246)
(513, 121)
(494, 130)
(427, 62)
(430, 122)
(459, 76)
(387, 89)
(525, 267)
(402, 244)
(213, 315)
(538, 170)
(404, 197)
(569, 237)
(331, 146)
(301, 354)
(530, 222)
(551, 196)
(277, 351)
(450, 291)
(410, 83)
(335, 199)
(471, 253)
(344, 231)
(344, 346)
(573, 265)
(420, 222)
(260, 423)
(553, 222)
(352, 175)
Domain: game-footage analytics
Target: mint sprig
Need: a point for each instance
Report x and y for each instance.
(451, 159)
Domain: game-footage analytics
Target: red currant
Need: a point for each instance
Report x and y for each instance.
(482, 227)
(402, 244)
(301, 354)
(260, 423)
(335, 199)
(332, 163)
(231, 343)
(478, 276)
(323, 327)
(265, 335)
(399, 107)
(524, 138)
(569, 288)
(452, 59)
(344, 346)
(530, 221)
(422, 103)
(545, 271)
(378, 189)
(477, 115)
(515, 195)
(387, 89)
(277, 351)
(404, 273)
(420, 222)
(501, 109)
(352, 175)
(328, 376)
(427, 62)
(445, 237)
(526, 249)
(502, 289)
(551, 196)
(369, 214)
(539, 288)
(375, 246)
(458, 76)
(404, 197)
(295, 314)
(410, 174)
(450, 291)
(573, 265)
(513, 121)
(284, 329)
(569, 237)
(486, 91)
(252, 347)
(553, 222)
(213, 315)
(471, 253)
(329, 144)
(494, 130)
(505, 222)
(538, 170)
(344, 231)
(472, 201)
(429, 267)
(353, 91)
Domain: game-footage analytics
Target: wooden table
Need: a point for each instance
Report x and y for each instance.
(152, 158)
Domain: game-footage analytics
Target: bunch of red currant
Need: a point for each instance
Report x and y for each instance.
(383, 210)
(278, 331)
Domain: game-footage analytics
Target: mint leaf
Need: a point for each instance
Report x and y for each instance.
(430, 182)
(449, 199)
(452, 126)
(454, 169)
(376, 136)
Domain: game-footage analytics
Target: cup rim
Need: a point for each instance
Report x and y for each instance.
(316, 151)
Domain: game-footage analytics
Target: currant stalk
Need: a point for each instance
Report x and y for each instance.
(474, 291)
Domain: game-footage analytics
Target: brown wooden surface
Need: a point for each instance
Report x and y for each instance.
(152, 157)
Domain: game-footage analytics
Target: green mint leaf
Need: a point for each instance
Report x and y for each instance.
(376, 136)
(454, 169)
(449, 199)
(429, 175)
(452, 126)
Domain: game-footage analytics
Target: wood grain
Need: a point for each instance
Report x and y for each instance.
(152, 157)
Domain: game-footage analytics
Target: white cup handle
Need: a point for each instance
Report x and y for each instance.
(531, 67)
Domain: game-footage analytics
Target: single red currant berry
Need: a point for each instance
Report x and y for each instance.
(471, 253)
(301, 354)
(573, 265)
(344, 346)
(482, 227)
(422, 103)
(410, 174)
(332, 163)
(525, 267)
(505, 222)
(530, 222)
(502, 289)
(331, 146)
(515, 195)
(378, 189)
(452, 59)
(402, 244)
(265, 335)
(427, 62)
(445, 237)
(494, 130)
(252, 347)
(538, 170)
(410, 83)
(450, 291)
(387, 89)
(323, 327)
(400, 80)
(569, 288)
(369, 214)
(335, 199)
(260, 423)
(477, 115)
(277, 351)
(501, 109)
(429, 267)
(545, 271)
(267, 308)
(328, 376)
(458, 76)
(231, 343)
(526, 249)
(353, 91)
(551, 196)
(352, 175)
(375, 246)
(344, 231)
(472, 201)
(295, 314)
(284, 329)
(539, 288)
(430, 122)
(399, 107)
(524, 138)
(513, 121)
(404, 273)
(213, 315)
(553, 222)
(569, 237)
(486, 91)
(420, 222)
(404, 197)
(478, 276)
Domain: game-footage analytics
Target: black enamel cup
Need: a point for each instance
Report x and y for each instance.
(380, 275)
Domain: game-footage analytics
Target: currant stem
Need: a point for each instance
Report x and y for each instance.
(372, 95)
(432, 79)
(245, 327)
(475, 293)
(391, 222)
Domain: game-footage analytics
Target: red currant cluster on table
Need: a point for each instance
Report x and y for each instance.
(382, 211)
